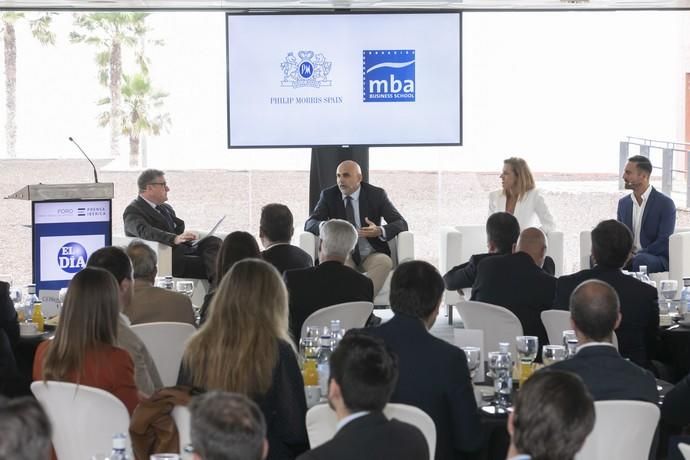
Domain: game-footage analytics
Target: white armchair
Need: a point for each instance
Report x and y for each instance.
(678, 250)
(402, 250)
(459, 243)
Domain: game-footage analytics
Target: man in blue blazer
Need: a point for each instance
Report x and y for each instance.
(363, 205)
(649, 214)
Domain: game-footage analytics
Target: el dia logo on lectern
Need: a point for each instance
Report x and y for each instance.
(72, 257)
(388, 75)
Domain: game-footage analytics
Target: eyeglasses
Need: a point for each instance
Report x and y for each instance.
(164, 184)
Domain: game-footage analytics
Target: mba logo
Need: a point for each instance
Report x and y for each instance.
(72, 257)
(388, 75)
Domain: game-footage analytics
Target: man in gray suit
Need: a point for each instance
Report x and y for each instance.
(151, 304)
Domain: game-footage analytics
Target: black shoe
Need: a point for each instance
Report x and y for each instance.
(373, 321)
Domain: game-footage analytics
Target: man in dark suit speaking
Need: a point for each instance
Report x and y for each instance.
(149, 217)
(363, 376)
(363, 205)
(650, 216)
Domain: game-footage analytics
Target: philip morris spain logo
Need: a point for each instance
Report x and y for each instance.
(307, 69)
(388, 75)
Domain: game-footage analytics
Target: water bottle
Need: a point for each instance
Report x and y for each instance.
(336, 332)
(30, 301)
(503, 382)
(119, 451)
(323, 357)
(684, 297)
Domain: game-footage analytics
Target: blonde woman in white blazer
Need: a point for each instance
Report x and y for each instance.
(519, 197)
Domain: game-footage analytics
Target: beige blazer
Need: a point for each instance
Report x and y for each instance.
(152, 304)
(530, 211)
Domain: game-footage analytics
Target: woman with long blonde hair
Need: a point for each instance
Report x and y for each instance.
(83, 350)
(244, 347)
(519, 197)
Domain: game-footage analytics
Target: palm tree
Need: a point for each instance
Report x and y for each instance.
(40, 29)
(141, 113)
(110, 32)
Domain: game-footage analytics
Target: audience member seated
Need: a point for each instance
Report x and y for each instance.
(275, 232)
(152, 304)
(115, 261)
(594, 314)
(648, 214)
(149, 217)
(363, 374)
(551, 419)
(502, 231)
(433, 373)
(638, 329)
(227, 426)
(329, 283)
(364, 206)
(236, 246)
(517, 282)
(8, 315)
(245, 347)
(85, 350)
(25, 430)
(676, 408)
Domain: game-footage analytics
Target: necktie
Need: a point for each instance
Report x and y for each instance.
(166, 216)
(350, 214)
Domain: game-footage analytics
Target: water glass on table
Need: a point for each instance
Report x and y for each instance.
(552, 354)
(668, 289)
(527, 349)
(185, 287)
(309, 343)
(501, 367)
(570, 343)
(473, 355)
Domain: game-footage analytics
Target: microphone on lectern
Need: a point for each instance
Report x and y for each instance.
(95, 174)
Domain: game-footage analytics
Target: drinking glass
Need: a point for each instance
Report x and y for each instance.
(552, 354)
(570, 343)
(501, 367)
(185, 287)
(527, 349)
(309, 343)
(474, 355)
(668, 290)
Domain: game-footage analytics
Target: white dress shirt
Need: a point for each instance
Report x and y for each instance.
(364, 246)
(530, 210)
(637, 213)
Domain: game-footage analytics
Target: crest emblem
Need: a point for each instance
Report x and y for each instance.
(307, 69)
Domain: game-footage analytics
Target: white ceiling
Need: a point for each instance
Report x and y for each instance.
(330, 4)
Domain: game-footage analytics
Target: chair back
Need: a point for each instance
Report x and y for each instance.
(499, 324)
(165, 342)
(608, 441)
(322, 422)
(557, 321)
(352, 315)
(554, 250)
(684, 450)
(182, 418)
(84, 419)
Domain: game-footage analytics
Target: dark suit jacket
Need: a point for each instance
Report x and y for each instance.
(608, 376)
(515, 282)
(327, 284)
(434, 377)
(638, 331)
(8, 315)
(373, 437)
(142, 221)
(287, 257)
(676, 407)
(462, 276)
(658, 221)
(373, 204)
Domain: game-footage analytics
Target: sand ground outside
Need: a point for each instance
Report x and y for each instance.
(427, 200)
